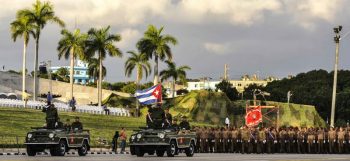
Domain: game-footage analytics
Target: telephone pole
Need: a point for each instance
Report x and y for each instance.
(337, 40)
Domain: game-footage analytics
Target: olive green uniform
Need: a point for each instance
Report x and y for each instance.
(332, 141)
(234, 141)
(341, 141)
(51, 116)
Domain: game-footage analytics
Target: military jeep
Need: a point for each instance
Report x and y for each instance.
(161, 141)
(58, 141)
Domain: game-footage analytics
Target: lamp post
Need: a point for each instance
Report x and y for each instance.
(337, 40)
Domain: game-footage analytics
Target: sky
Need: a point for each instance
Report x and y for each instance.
(264, 37)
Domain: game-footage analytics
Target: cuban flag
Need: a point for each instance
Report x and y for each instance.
(150, 96)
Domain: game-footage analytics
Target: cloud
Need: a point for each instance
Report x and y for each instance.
(129, 37)
(217, 48)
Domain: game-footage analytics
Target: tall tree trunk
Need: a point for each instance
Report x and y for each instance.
(100, 81)
(137, 88)
(36, 61)
(24, 68)
(174, 81)
(71, 72)
(156, 74)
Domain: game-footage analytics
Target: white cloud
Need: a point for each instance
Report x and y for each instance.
(217, 48)
(129, 38)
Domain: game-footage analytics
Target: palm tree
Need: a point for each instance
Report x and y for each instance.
(71, 45)
(94, 69)
(101, 42)
(21, 27)
(156, 44)
(40, 14)
(177, 73)
(140, 62)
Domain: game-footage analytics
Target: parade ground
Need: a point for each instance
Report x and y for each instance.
(201, 157)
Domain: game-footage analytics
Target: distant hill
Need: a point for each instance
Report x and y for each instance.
(214, 107)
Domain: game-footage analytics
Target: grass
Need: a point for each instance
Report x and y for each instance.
(18, 121)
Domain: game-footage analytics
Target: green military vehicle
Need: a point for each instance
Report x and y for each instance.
(58, 141)
(161, 141)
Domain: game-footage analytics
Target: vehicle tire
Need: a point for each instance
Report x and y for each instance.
(160, 153)
(190, 150)
(31, 151)
(82, 151)
(171, 149)
(60, 149)
(53, 152)
(132, 150)
(139, 152)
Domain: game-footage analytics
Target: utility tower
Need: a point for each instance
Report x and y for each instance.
(226, 72)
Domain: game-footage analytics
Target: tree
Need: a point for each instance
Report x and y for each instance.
(71, 45)
(226, 87)
(155, 44)
(63, 73)
(101, 42)
(140, 62)
(40, 14)
(174, 72)
(94, 69)
(22, 27)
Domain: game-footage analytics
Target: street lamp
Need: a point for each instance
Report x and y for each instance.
(336, 40)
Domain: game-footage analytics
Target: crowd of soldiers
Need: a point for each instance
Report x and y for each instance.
(273, 140)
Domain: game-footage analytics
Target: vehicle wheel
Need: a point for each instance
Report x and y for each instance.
(82, 151)
(31, 151)
(171, 149)
(190, 150)
(53, 152)
(60, 149)
(132, 150)
(160, 153)
(139, 152)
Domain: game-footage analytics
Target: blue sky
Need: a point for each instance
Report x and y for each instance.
(268, 37)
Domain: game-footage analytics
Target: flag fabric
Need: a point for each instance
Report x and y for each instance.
(150, 96)
(253, 117)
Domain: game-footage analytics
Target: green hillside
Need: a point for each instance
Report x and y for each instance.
(214, 107)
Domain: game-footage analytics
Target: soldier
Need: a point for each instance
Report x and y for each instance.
(301, 141)
(271, 137)
(198, 138)
(203, 139)
(184, 124)
(217, 138)
(51, 116)
(341, 141)
(348, 140)
(331, 140)
(253, 140)
(320, 140)
(282, 140)
(174, 124)
(67, 125)
(261, 141)
(157, 117)
(291, 141)
(234, 140)
(225, 140)
(211, 139)
(245, 139)
(310, 140)
(149, 120)
(77, 125)
(167, 118)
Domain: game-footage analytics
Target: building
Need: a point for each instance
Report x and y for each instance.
(244, 82)
(81, 75)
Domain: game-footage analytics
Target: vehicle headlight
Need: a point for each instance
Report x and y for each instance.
(132, 137)
(139, 136)
(51, 135)
(29, 136)
(161, 135)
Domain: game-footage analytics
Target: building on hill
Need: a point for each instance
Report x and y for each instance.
(81, 75)
(245, 81)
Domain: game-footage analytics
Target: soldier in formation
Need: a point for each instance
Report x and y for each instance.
(272, 140)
